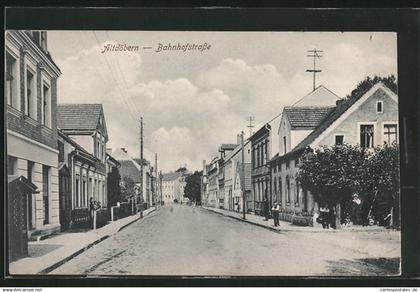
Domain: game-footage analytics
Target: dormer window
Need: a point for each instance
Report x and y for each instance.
(379, 107)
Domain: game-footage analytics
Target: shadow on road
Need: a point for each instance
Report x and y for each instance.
(365, 267)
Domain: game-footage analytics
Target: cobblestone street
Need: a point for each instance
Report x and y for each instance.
(182, 240)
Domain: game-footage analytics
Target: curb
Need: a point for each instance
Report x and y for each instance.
(83, 249)
(135, 220)
(66, 259)
(311, 230)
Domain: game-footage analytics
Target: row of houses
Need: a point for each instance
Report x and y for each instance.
(59, 149)
(273, 153)
(58, 162)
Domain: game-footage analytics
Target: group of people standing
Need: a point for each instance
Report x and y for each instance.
(275, 211)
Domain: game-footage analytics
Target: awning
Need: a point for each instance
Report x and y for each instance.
(21, 182)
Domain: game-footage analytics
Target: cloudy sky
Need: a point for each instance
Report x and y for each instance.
(194, 101)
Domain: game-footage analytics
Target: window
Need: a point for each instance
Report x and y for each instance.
(46, 105)
(366, 136)
(12, 81)
(265, 152)
(390, 134)
(84, 199)
(339, 139)
(31, 96)
(45, 193)
(287, 163)
(11, 165)
(76, 201)
(284, 145)
(98, 149)
(297, 194)
(379, 107)
(280, 191)
(275, 188)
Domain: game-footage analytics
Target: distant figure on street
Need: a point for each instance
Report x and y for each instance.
(276, 213)
(266, 207)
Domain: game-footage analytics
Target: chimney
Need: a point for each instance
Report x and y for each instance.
(238, 139)
(109, 150)
(124, 150)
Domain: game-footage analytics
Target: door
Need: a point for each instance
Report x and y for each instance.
(17, 217)
(64, 198)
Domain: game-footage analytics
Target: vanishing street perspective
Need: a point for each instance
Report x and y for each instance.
(202, 153)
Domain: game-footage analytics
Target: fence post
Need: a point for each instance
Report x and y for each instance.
(112, 214)
(94, 220)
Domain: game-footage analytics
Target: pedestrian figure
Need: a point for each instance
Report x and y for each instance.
(276, 213)
(266, 207)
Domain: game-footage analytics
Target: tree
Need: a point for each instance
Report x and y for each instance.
(192, 188)
(381, 184)
(368, 82)
(127, 188)
(332, 173)
(341, 174)
(113, 187)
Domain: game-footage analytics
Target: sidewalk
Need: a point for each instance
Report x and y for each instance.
(287, 226)
(61, 248)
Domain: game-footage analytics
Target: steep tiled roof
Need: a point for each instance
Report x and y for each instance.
(171, 176)
(78, 116)
(128, 169)
(306, 116)
(331, 118)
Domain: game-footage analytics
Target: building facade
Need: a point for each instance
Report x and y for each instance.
(171, 187)
(262, 144)
(31, 98)
(368, 120)
(85, 125)
(232, 175)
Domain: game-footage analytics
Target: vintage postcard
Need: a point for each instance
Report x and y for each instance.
(188, 153)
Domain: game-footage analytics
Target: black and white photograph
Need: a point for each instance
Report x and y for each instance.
(202, 153)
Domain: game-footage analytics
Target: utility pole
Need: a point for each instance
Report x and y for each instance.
(160, 180)
(314, 54)
(243, 175)
(250, 125)
(156, 183)
(141, 159)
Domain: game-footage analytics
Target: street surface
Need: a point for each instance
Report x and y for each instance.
(183, 240)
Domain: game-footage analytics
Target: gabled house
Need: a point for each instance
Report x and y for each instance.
(368, 120)
(240, 179)
(232, 168)
(84, 125)
(130, 167)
